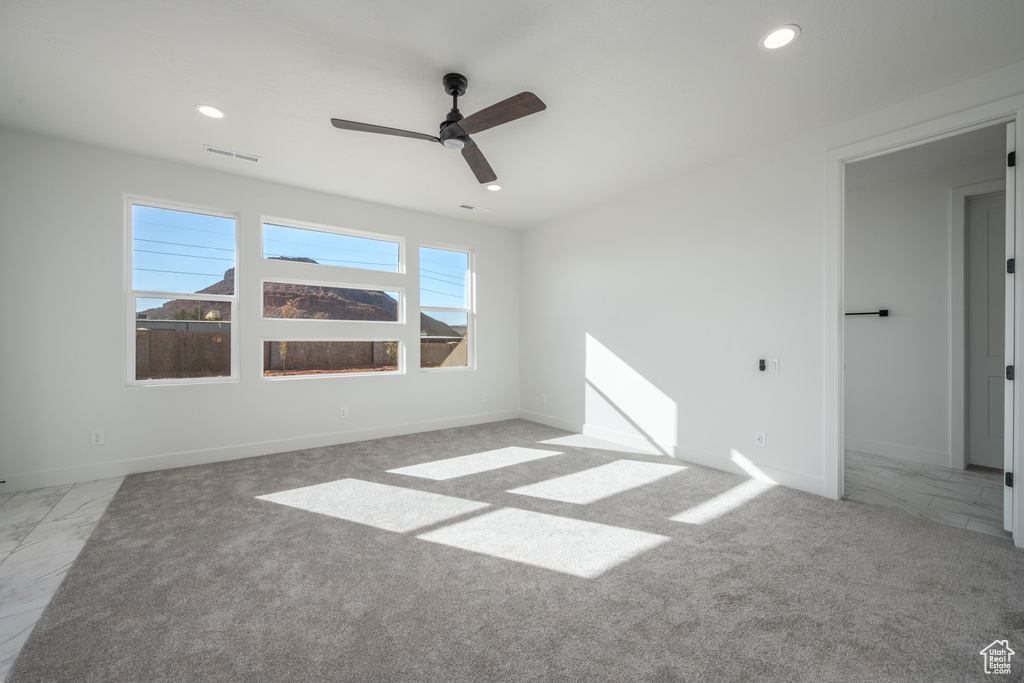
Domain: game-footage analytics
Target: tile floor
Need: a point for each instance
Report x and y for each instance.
(41, 534)
(971, 499)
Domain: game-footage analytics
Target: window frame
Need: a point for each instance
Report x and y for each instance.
(402, 366)
(333, 230)
(469, 310)
(132, 294)
(335, 285)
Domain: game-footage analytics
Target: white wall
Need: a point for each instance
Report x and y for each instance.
(62, 275)
(688, 284)
(898, 369)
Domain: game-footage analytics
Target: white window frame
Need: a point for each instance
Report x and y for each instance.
(332, 375)
(134, 294)
(334, 230)
(336, 285)
(470, 309)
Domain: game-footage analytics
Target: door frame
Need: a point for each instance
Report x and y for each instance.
(1002, 111)
(959, 196)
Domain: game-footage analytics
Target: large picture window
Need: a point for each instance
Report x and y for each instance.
(182, 301)
(302, 309)
(446, 308)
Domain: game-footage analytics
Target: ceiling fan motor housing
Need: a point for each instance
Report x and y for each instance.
(455, 84)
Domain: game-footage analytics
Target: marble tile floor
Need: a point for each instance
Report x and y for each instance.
(971, 499)
(41, 534)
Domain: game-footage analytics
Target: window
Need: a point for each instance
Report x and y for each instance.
(296, 358)
(296, 303)
(318, 302)
(309, 245)
(446, 315)
(182, 301)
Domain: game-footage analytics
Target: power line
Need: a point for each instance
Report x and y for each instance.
(318, 246)
(168, 253)
(459, 281)
(175, 272)
(444, 282)
(365, 263)
(182, 227)
(434, 291)
(179, 244)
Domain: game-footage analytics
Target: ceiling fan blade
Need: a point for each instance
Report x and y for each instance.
(370, 128)
(475, 158)
(515, 107)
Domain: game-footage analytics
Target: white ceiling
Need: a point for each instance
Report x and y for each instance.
(636, 91)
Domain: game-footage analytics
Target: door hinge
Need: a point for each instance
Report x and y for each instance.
(1009, 372)
(1008, 479)
(1011, 159)
(1011, 265)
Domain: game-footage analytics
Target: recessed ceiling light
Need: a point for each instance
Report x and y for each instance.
(211, 111)
(779, 37)
(494, 187)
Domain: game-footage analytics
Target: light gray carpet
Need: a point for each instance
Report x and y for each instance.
(190, 577)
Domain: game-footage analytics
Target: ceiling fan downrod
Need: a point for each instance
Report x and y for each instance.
(455, 85)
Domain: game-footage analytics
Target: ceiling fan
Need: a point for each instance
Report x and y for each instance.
(455, 130)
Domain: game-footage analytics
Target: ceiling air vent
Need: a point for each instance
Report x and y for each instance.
(470, 207)
(227, 153)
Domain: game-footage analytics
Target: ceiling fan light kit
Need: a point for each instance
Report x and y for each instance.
(455, 130)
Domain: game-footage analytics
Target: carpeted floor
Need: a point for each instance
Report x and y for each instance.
(192, 576)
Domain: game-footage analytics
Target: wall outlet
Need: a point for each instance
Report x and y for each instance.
(343, 413)
(487, 398)
(96, 437)
(543, 398)
(773, 366)
(759, 439)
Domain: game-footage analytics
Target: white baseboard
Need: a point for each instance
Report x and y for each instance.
(897, 452)
(551, 421)
(793, 480)
(105, 470)
(631, 440)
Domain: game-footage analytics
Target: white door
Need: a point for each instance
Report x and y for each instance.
(986, 358)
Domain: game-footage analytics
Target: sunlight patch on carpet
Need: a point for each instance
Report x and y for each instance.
(464, 465)
(584, 441)
(570, 546)
(391, 508)
(724, 502)
(599, 482)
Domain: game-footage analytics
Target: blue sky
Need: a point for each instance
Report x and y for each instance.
(174, 251)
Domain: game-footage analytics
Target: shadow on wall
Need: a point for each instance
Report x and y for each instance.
(620, 403)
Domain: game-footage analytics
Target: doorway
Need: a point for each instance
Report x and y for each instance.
(906, 427)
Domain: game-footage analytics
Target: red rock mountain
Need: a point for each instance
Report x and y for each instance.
(303, 302)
